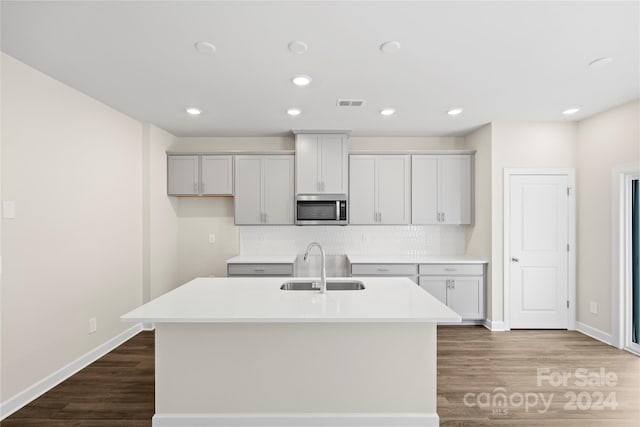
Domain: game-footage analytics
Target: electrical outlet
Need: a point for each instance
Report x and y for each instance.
(212, 238)
(93, 325)
(593, 307)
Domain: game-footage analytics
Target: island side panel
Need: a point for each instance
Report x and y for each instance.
(295, 368)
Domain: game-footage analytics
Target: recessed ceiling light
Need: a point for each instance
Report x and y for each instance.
(205, 47)
(194, 111)
(301, 80)
(298, 47)
(388, 112)
(294, 111)
(600, 62)
(390, 46)
(570, 111)
(455, 111)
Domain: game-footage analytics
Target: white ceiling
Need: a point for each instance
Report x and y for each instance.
(500, 61)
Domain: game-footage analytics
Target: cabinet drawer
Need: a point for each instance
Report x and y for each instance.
(260, 269)
(451, 269)
(383, 269)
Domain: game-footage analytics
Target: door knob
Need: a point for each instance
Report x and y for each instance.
(515, 260)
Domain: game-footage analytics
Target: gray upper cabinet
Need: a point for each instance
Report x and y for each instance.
(321, 163)
(196, 175)
(182, 175)
(379, 189)
(217, 175)
(441, 190)
(264, 189)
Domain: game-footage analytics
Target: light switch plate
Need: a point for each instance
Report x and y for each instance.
(8, 210)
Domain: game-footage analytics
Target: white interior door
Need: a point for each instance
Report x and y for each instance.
(538, 255)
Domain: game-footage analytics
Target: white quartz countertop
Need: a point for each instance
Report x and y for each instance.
(262, 259)
(244, 300)
(440, 259)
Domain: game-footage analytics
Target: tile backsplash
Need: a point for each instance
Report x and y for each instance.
(396, 240)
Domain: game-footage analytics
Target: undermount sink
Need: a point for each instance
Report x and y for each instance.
(337, 285)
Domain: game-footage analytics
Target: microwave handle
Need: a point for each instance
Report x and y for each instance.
(337, 210)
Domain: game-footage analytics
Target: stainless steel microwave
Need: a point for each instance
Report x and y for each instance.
(321, 209)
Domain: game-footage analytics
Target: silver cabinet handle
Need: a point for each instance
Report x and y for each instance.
(453, 284)
(195, 187)
(448, 283)
(383, 269)
(443, 217)
(515, 259)
(258, 270)
(450, 269)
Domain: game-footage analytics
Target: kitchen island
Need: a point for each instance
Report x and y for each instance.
(241, 351)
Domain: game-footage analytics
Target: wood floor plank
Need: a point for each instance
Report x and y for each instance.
(118, 389)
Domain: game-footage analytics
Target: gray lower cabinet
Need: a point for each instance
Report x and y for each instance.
(257, 270)
(459, 286)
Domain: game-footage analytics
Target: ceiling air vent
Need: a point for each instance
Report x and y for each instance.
(350, 102)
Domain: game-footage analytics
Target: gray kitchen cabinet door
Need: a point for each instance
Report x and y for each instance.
(278, 189)
(307, 164)
(321, 163)
(217, 175)
(455, 189)
(333, 163)
(362, 201)
(466, 297)
(436, 286)
(248, 190)
(393, 182)
(441, 189)
(424, 190)
(182, 175)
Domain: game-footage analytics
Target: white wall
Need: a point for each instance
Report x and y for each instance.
(522, 145)
(478, 235)
(74, 251)
(161, 217)
(605, 140)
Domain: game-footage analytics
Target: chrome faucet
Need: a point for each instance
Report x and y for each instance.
(323, 272)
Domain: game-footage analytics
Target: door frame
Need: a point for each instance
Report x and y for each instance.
(571, 238)
(621, 253)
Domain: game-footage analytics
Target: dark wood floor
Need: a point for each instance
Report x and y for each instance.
(117, 390)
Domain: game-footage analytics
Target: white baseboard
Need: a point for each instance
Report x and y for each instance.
(298, 420)
(594, 333)
(36, 390)
(148, 326)
(495, 325)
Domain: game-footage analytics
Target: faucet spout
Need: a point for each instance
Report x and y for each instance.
(323, 271)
